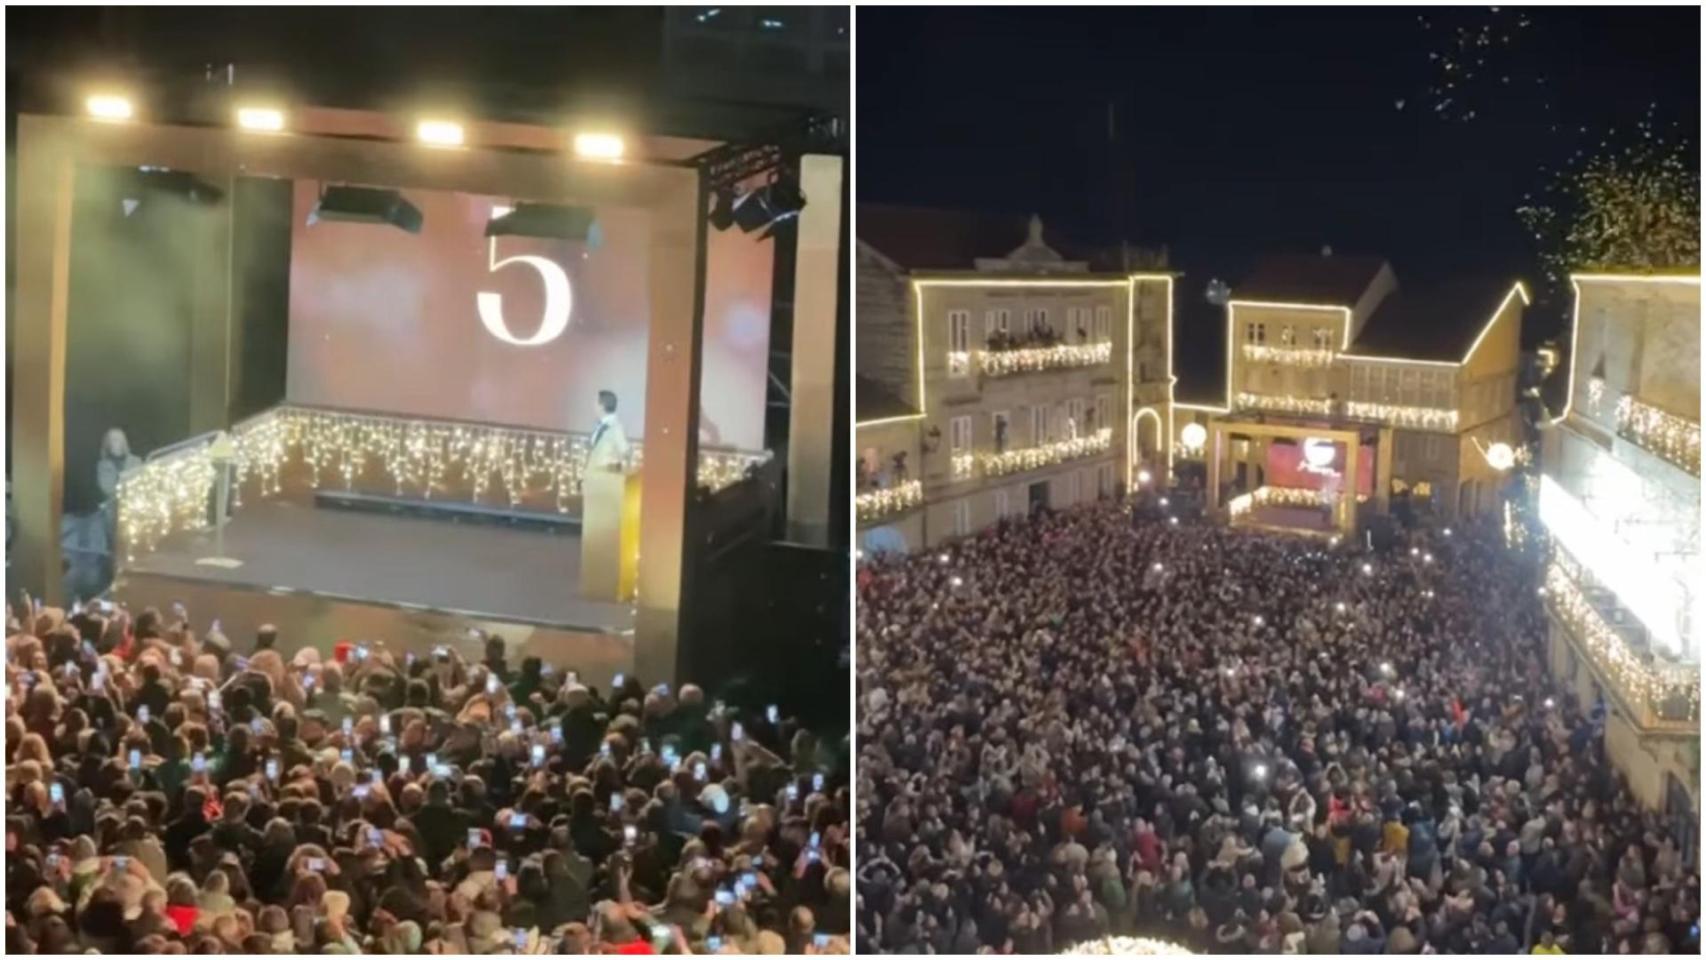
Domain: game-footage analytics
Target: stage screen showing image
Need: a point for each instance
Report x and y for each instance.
(1317, 464)
(386, 321)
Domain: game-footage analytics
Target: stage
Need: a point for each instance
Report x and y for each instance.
(324, 574)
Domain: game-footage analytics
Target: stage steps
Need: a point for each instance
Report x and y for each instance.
(453, 510)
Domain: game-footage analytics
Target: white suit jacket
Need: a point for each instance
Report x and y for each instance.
(609, 447)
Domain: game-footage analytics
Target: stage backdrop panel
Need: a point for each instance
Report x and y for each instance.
(1289, 466)
(387, 321)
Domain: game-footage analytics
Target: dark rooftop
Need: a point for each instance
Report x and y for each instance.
(924, 239)
(1424, 320)
(875, 401)
(1309, 278)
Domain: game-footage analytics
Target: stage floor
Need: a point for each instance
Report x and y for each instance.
(417, 563)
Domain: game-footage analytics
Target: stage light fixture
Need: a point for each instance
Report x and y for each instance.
(110, 107)
(599, 146)
(366, 205)
(548, 220)
(763, 208)
(723, 210)
(439, 133)
(260, 119)
(159, 180)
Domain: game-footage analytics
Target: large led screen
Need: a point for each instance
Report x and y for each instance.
(387, 321)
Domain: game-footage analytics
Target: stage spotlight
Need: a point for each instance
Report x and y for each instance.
(439, 133)
(106, 106)
(544, 220)
(723, 210)
(159, 180)
(769, 205)
(366, 205)
(260, 119)
(599, 146)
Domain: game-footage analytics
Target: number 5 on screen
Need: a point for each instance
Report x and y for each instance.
(558, 299)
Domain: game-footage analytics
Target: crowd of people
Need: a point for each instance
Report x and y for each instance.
(169, 793)
(1089, 724)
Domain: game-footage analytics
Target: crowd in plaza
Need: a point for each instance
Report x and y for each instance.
(167, 792)
(1083, 724)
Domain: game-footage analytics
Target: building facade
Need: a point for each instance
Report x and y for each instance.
(1619, 495)
(1035, 383)
(1338, 379)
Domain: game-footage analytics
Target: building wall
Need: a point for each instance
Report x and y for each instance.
(1647, 337)
(978, 398)
(886, 351)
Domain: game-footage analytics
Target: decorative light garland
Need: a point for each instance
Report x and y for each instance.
(1045, 455)
(1649, 685)
(1000, 363)
(1264, 496)
(171, 493)
(876, 504)
(1282, 404)
(1657, 431)
(1421, 418)
(1295, 356)
(963, 465)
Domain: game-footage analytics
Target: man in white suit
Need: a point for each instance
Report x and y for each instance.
(608, 449)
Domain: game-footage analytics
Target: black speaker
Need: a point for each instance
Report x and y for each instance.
(545, 220)
(367, 205)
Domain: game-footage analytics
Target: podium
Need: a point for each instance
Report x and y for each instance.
(610, 534)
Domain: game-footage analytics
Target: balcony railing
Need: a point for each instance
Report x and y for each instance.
(877, 504)
(1046, 455)
(416, 456)
(1661, 695)
(1061, 356)
(1418, 418)
(1665, 434)
(1275, 403)
(1294, 356)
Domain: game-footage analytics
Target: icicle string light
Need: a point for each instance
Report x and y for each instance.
(877, 504)
(1046, 455)
(419, 457)
(999, 363)
(1294, 356)
(1662, 433)
(1662, 692)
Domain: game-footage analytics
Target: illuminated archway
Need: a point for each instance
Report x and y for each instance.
(1144, 444)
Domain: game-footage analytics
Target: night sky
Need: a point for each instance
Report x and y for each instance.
(1249, 130)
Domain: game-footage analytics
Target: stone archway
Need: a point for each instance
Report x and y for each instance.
(1147, 452)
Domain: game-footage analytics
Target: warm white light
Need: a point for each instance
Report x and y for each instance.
(1164, 501)
(1143, 477)
(1194, 436)
(1448, 531)
(1158, 568)
(942, 557)
(1258, 619)
(1500, 456)
(103, 106)
(957, 582)
(1386, 667)
(1173, 520)
(1261, 770)
(1427, 558)
(1399, 693)
(1654, 593)
(260, 119)
(1318, 453)
(1549, 703)
(1415, 551)
(1367, 570)
(599, 146)
(439, 133)
(1340, 606)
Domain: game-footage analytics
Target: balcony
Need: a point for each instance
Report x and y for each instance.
(874, 505)
(1292, 356)
(1415, 418)
(1060, 356)
(1663, 434)
(1045, 455)
(1661, 696)
(1274, 403)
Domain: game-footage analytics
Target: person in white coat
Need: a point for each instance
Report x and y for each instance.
(609, 448)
